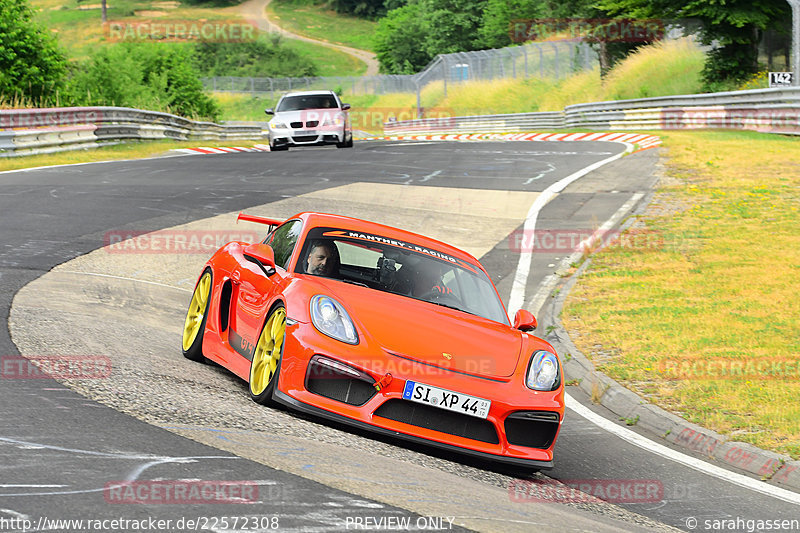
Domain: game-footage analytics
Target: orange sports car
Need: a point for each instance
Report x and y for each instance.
(383, 329)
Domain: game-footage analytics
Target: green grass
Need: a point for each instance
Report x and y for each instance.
(329, 62)
(714, 291)
(79, 31)
(311, 19)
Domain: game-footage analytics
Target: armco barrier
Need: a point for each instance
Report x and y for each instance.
(37, 131)
(764, 110)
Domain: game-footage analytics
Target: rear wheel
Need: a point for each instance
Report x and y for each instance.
(196, 316)
(265, 366)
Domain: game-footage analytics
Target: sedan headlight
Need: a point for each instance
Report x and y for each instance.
(332, 121)
(543, 374)
(277, 125)
(330, 318)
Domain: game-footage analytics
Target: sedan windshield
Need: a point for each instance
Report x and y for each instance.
(402, 268)
(307, 101)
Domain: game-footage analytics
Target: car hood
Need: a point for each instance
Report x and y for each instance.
(305, 115)
(413, 330)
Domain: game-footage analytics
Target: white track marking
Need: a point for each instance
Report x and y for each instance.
(123, 278)
(517, 299)
(678, 457)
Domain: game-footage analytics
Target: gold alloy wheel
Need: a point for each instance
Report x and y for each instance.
(268, 352)
(197, 310)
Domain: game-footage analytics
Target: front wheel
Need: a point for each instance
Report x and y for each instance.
(196, 316)
(265, 366)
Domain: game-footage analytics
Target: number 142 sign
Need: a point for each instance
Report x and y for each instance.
(780, 79)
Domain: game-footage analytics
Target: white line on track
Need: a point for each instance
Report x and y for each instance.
(517, 299)
(678, 457)
(124, 278)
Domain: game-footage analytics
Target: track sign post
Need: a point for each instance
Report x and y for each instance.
(795, 40)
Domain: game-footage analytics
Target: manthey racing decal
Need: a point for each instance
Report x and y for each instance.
(368, 237)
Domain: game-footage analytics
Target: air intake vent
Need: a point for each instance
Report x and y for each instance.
(532, 429)
(428, 417)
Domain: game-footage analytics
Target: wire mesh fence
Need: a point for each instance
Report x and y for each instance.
(555, 60)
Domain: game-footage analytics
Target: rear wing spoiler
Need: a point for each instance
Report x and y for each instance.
(271, 222)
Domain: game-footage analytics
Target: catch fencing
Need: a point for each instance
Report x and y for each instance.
(555, 60)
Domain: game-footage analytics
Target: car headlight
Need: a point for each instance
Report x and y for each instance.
(543, 374)
(332, 121)
(330, 318)
(277, 125)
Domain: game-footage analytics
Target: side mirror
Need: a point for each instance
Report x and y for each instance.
(262, 255)
(524, 320)
(345, 107)
(269, 111)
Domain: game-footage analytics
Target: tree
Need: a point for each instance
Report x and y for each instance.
(494, 30)
(31, 63)
(399, 40)
(453, 25)
(735, 25)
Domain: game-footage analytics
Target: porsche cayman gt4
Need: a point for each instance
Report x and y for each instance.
(383, 329)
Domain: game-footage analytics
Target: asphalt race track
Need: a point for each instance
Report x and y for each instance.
(159, 417)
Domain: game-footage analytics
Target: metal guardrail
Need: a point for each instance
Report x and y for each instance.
(37, 131)
(764, 110)
(34, 131)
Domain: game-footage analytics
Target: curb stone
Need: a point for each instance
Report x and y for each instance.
(777, 468)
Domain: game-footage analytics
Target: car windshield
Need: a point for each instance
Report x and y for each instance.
(306, 101)
(402, 268)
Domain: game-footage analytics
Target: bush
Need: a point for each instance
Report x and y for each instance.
(258, 58)
(143, 75)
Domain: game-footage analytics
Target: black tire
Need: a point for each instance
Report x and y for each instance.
(192, 341)
(278, 148)
(261, 367)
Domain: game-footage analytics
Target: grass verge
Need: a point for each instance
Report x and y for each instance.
(698, 310)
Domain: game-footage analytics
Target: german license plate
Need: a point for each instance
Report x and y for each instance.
(446, 399)
(303, 133)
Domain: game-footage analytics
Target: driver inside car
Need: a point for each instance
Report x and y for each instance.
(323, 259)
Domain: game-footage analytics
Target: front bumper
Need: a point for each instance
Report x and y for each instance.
(521, 427)
(305, 137)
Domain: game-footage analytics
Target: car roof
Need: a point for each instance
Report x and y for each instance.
(309, 93)
(316, 219)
